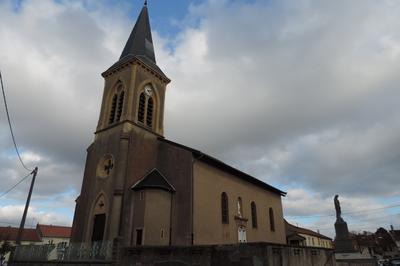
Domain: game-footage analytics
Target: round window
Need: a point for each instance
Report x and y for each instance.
(105, 166)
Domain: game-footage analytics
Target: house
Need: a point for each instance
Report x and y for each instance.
(298, 236)
(53, 234)
(41, 235)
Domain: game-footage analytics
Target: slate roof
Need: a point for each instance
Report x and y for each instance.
(292, 229)
(140, 41)
(139, 46)
(225, 167)
(154, 179)
(54, 231)
(10, 233)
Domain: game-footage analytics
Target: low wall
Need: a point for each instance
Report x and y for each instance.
(61, 263)
(356, 262)
(251, 254)
(354, 259)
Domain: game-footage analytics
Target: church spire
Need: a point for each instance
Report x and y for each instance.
(140, 42)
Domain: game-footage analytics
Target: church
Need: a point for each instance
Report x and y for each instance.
(140, 188)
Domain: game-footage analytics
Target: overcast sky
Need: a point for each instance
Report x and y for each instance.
(302, 94)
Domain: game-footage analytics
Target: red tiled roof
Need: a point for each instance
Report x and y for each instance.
(54, 231)
(10, 233)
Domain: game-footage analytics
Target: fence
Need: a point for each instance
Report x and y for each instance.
(97, 251)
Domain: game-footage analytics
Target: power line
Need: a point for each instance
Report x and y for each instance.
(376, 209)
(9, 124)
(11, 188)
(350, 212)
(352, 223)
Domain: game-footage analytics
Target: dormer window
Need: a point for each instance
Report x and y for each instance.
(146, 107)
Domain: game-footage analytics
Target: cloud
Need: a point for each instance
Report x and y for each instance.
(51, 59)
(287, 91)
(301, 94)
(11, 215)
(312, 210)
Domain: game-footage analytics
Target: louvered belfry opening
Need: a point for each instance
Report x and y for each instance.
(146, 108)
(117, 104)
(142, 105)
(120, 105)
(113, 108)
(149, 116)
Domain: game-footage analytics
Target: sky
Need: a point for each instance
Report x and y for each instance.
(301, 94)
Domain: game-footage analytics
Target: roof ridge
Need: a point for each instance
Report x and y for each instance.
(208, 158)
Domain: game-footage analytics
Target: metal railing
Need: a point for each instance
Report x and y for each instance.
(65, 252)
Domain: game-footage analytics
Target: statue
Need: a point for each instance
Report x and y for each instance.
(343, 244)
(337, 207)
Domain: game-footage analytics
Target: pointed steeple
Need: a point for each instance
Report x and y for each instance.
(140, 42)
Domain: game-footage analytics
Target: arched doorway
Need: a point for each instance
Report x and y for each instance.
(99, 219)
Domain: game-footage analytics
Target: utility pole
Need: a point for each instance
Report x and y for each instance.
(21, 226)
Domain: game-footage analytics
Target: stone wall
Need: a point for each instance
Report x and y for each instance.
(356, 263)
(251, 254)
(62, 263)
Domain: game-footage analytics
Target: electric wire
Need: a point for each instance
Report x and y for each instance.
(14, 186)
(350, 212)
(10, 125)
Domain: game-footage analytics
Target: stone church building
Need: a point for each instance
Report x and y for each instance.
(141, 189)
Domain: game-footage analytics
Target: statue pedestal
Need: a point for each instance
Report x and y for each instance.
(343, 243)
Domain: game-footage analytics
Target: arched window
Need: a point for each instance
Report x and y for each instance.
(146, 108)
(149, 115)
(240, 207)
(224, 208)
(253, 214)
(271, 219)
(142, 104)
(120, 105)
(113, 108)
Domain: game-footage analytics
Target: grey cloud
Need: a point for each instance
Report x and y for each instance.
(297, 93)
(277, 73)
(51, 62)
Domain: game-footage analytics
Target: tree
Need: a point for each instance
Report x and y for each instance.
(385, 240)
(5, 248)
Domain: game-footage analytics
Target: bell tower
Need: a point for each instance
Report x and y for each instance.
(134, 90)
(130, 123)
